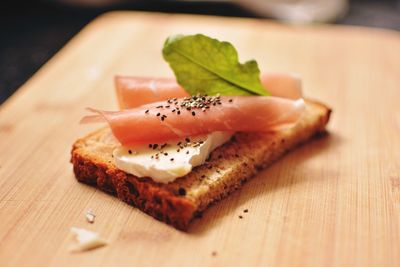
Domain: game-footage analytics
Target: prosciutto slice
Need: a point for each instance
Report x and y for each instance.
(175, 118)
(135, 91)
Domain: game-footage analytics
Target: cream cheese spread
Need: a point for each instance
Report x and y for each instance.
(166, 162)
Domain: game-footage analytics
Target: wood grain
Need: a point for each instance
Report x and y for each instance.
(333, 202)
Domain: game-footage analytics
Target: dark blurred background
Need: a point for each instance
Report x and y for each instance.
(33, 31)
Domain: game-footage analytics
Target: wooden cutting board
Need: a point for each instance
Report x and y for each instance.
(332, 202)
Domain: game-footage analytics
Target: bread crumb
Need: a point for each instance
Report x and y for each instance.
(90, 216)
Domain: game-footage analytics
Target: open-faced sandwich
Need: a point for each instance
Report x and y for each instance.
(179, 145)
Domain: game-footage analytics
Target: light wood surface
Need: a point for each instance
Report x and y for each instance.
(332, 202)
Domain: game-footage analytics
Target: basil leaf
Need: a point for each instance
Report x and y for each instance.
(207, 66)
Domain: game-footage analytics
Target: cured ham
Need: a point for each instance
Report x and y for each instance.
(136, 91)
(282, 84)
(162, 121)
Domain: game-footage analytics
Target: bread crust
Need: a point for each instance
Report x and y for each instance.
(182, 200)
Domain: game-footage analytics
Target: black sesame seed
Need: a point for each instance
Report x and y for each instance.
(147, 111)
(158, 114)
(187, 152)
(178, 112)
(187, 139)
(130, 151)
(230, 100)
(165, 154)
(172, 159)
(193, 113)
(155, 146)
(246, 210)
(240, 217)
(182, 191)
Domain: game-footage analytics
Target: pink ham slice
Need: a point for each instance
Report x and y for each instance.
(160, 122)
(136, 91)
(282, 84)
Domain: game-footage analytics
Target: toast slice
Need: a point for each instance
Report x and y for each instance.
(179, 202)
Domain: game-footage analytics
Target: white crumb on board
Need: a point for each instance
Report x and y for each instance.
(94, 73)
(87, 240)
(90, 216)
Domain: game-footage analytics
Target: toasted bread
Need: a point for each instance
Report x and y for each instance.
(179, 202)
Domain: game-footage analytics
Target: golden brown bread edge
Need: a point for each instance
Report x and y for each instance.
(179, 202)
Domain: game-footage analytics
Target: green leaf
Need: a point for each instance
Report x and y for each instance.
(207, 66)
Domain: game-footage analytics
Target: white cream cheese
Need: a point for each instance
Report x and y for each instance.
(166, 162)
(86, 240)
